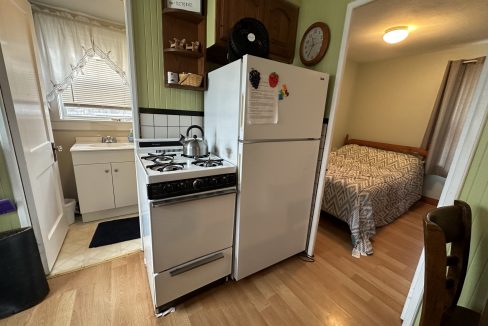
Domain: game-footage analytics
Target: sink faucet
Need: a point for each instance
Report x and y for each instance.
(109, 139)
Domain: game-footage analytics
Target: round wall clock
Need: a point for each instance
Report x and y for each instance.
(315, 42)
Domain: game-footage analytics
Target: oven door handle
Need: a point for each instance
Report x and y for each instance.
(202, 195)
(201, 262)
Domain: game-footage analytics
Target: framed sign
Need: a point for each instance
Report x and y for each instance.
(188, 5)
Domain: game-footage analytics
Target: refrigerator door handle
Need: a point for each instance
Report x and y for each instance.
(243, 116)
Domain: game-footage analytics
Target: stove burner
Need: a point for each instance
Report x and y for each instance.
(164, 159)
(166, 167)
(208, 163)
(197, 158)
(159, 157)
(172, 167)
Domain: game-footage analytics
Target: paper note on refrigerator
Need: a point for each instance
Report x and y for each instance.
(262, 104)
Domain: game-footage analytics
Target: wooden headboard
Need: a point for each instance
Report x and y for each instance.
(388, 147)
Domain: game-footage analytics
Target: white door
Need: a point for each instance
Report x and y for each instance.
(300, 114)
(28, 118)
(90, 177)
(124, 181)
(274, 203)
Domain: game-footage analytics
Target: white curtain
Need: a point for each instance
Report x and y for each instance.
(68, 41)
(450, 110)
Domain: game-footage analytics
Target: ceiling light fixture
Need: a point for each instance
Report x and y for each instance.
(395, 34)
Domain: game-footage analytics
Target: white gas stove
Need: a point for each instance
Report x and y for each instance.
(187, 209)
(163, 161)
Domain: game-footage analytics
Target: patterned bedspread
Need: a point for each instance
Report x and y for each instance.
(368, 187)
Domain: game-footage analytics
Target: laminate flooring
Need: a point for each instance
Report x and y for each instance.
(336, 289)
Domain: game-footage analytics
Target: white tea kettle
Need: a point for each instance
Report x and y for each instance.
(194, 146)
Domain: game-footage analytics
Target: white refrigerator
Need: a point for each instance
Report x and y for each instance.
(270, 128)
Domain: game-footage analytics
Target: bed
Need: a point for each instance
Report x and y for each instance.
(370, 184)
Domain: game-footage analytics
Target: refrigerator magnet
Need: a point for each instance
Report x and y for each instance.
(283, 92)
(254, 78)
(273, 79)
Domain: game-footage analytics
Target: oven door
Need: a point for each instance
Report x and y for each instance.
(188, 227)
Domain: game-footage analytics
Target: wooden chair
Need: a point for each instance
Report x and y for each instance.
(445, 274)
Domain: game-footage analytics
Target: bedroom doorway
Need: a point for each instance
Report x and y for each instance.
(366, 21)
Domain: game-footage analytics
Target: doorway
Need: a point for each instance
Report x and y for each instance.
(62, 97)
(84, 58)
(365, 24)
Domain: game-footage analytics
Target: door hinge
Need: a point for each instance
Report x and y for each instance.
(56, 149)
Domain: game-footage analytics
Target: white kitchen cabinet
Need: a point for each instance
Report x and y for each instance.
(124, 183)
(94, 185)
(105, 180)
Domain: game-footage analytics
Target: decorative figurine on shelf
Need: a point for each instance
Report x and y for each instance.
(177, 44)
(194, 46)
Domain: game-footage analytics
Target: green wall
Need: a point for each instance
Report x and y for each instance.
(331, 12)
(211, 8)
(475, 193)
(11, 220)
(147, 20)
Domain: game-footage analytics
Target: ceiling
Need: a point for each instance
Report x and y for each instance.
(111, 10)
(437, 24)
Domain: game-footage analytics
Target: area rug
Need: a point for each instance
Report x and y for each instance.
(115, 231)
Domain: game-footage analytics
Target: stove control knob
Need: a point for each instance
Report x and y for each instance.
(168, 188)
(214, 181)
(198, 183)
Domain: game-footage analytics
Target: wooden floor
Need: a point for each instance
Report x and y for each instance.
(336, 289)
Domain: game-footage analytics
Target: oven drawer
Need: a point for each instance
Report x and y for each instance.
(183, 279)
(183, 229)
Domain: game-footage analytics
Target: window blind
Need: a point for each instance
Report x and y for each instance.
(98, 91)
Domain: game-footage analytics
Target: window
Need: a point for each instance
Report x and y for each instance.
(97, 93)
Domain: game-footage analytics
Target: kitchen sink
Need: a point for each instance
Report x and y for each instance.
(101, 146)
(112, 145)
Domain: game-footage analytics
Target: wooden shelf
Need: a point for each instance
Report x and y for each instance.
(191, 88)
(187, 53)
(193, 17)
(182, 24)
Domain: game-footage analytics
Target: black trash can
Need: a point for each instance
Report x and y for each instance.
(23, 283)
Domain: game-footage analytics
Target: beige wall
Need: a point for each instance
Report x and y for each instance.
(344, 105)
(393, 99)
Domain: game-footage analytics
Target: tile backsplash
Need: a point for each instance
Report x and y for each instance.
(155, 125)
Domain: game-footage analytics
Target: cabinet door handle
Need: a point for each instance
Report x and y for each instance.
(107, 171)
(116, 170)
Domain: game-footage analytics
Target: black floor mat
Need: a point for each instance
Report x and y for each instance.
(116, 231)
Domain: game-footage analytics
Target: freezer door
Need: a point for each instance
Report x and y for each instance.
(300, 114)
(274, 202)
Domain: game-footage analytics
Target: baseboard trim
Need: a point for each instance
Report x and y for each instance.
(430, 201)
(128, 211)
